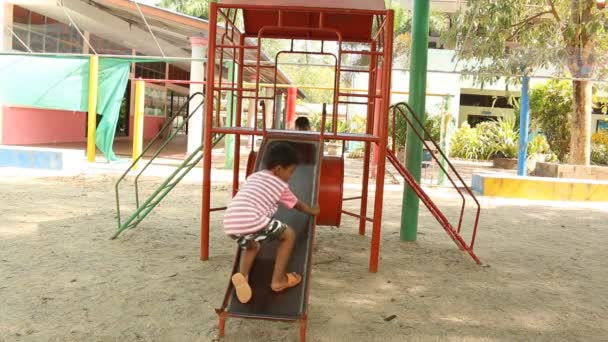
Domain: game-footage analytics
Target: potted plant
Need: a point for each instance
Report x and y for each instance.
(503, 143)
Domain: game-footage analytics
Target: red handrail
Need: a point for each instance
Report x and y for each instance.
(401, 108)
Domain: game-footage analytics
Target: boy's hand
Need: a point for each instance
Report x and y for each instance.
(314, 211)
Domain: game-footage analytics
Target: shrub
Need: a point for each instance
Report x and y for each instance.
(487, 140)
(550, 106)
(599, 148)
(539, 145)
(433, 125)
(600, 137)
(468, 143)
(599, 154)
(504, 139)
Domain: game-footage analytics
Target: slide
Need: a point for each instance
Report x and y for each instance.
(291, 304)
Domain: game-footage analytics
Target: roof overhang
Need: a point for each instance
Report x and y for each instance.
(346, 20)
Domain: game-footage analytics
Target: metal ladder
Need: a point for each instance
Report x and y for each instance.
(168, 184)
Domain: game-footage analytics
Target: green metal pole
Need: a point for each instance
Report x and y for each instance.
(230, 116)
(417, 99)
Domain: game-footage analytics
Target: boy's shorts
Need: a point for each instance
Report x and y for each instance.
(273, 231)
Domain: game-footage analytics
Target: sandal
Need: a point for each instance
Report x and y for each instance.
(293, 279)
(242, 288)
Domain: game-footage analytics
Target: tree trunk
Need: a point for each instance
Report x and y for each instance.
(580, 141)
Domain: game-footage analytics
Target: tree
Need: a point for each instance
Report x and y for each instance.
(515, 37)
(402, 26)
(551, 106)
(195, 8)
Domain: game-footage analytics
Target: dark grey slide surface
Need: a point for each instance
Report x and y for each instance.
(289, 304)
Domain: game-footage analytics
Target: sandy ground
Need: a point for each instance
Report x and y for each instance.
(61, 278)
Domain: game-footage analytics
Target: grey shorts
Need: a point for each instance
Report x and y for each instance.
(272, 232)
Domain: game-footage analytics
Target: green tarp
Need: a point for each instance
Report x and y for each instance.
(45, 82)
(113, 78)
(63, 83)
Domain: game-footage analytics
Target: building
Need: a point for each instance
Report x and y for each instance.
(103, 27)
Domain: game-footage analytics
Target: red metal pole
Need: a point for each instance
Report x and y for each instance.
(292, 97)
(239, 106)
(207, 131)
(377, 114)
(369, 129)
(382, 145)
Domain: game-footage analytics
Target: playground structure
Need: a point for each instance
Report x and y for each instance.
(361, 30)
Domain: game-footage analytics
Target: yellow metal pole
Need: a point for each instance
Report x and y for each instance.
(138, 119)
(92, 115)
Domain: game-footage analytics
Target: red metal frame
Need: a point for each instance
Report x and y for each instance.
(417, 127)
(380, 54)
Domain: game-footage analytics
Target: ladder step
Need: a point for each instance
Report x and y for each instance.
(261, 66)
(354, 102)
(355, 70)
(357, 52)
(359, 95)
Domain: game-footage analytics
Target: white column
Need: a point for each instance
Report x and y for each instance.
(197, 74)
(6, 19)
(269, 108)
(250, 118)
(5, 38)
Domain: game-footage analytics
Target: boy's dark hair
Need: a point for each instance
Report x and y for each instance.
(302, 124)
(281, 154)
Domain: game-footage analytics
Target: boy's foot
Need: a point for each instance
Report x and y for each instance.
(242, 288)
(292, 279)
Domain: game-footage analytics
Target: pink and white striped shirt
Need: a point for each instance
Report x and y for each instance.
(256, 203)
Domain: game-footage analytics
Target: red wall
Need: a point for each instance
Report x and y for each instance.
(152, 125)
(22, 126)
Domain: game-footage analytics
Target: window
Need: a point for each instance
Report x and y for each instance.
(106, 47)
(176, 73)
(154, 70)
(474, 120)
(44, 34)
(484, 101)
(155, 100)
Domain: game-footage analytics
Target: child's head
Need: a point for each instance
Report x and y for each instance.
(302, 124)
(282, 160)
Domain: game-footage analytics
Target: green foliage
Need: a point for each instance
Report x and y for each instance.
(438, 24)
(400, 129)
(538, 145)
(600, 137)
(599, 154)
(516, 37)
(312, 76)
(433, 126)
(315, 123)
(195, 8)
(551, 107)
(487, 140)
(599, 148)
(503, 139)
(470, 143)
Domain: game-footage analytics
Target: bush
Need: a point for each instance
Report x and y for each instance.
(538, 145)
(551, 105)
(433, 125)
(492, 139)
(600, 137)
(503, 141)
(599, 154)
(469, 143)
(599, 148)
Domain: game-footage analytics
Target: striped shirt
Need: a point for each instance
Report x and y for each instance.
(256, 203)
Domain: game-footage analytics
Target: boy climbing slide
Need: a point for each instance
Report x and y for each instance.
(249, 219)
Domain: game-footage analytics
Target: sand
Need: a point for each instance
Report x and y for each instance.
(544, 277)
